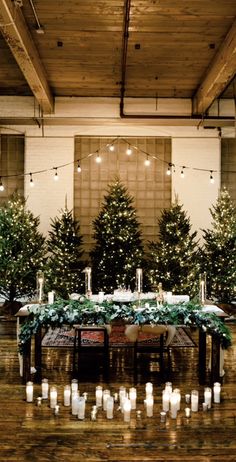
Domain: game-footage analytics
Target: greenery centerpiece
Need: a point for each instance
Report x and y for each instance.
(85, 312)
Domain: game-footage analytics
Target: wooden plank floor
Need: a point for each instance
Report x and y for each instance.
(31, 433)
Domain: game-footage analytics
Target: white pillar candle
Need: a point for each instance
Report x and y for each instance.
(133, 397)
(139, 277)
(93, 415)
(168, 387)
(81, 408)
(163, 416)
(122, 396)
(149, 388)
(39, 401)
(29, 392)
(51, 297)
(187, 398)
(149, 406)
(216, 392)
(194, 400)
(100, 297)
(98, 396)
(53, 397)
(74, 385)
(67, 395)
(127, 410)
(110, 407)
(45, 388)
(106, 393)
(207, 396)
(204, 407)
(169, 298)
(165, 400)
(74, 403)
(177, 391)
(187, 411)
(173, 405)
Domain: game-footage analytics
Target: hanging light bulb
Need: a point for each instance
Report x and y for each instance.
(31, 181)
(56, 177)
(129, 151)
(98, 159)
(1, 185)
(78, 167)
(168, 172)
(112, 147)
(147, 162)
(211, 177)
(182, 172)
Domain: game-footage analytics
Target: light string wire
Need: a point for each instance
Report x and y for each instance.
(107, 146)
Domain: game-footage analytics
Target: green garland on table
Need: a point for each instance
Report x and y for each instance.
(84, 312)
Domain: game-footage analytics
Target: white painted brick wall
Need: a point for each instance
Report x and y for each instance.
(191, 146)
(47, 196)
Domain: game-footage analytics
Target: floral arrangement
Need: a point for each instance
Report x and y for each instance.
(84, 312)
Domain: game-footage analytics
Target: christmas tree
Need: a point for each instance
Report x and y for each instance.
(174, 258)
(118, 250)
(64, 267)
(219, 251)
(22, 250)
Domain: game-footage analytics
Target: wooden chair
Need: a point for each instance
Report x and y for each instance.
(166, 334)
(79, 347)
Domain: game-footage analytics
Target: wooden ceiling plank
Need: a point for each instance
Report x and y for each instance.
(18, 38)
(220, 73)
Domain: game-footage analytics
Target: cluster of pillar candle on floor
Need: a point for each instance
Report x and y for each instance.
(126, 399)
(171, 400)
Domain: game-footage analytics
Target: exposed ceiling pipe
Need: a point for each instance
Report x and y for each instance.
(193, 117)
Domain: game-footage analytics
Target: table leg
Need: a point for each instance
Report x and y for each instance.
(202, 357)
(38, 355)
(26, 362)
(215, 359)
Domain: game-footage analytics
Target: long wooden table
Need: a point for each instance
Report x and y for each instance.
(215, 356)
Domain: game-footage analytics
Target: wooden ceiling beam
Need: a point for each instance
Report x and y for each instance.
(219, 74)
(17, 35)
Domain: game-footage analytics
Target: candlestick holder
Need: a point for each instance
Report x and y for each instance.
(39, 285)
(88, 281)
(202, 288)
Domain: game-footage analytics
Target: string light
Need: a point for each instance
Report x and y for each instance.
(147, 161)
(56, 177)
(1, 185)
(78, 168)
(182, 172)
(129, 150)
(31, 181)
